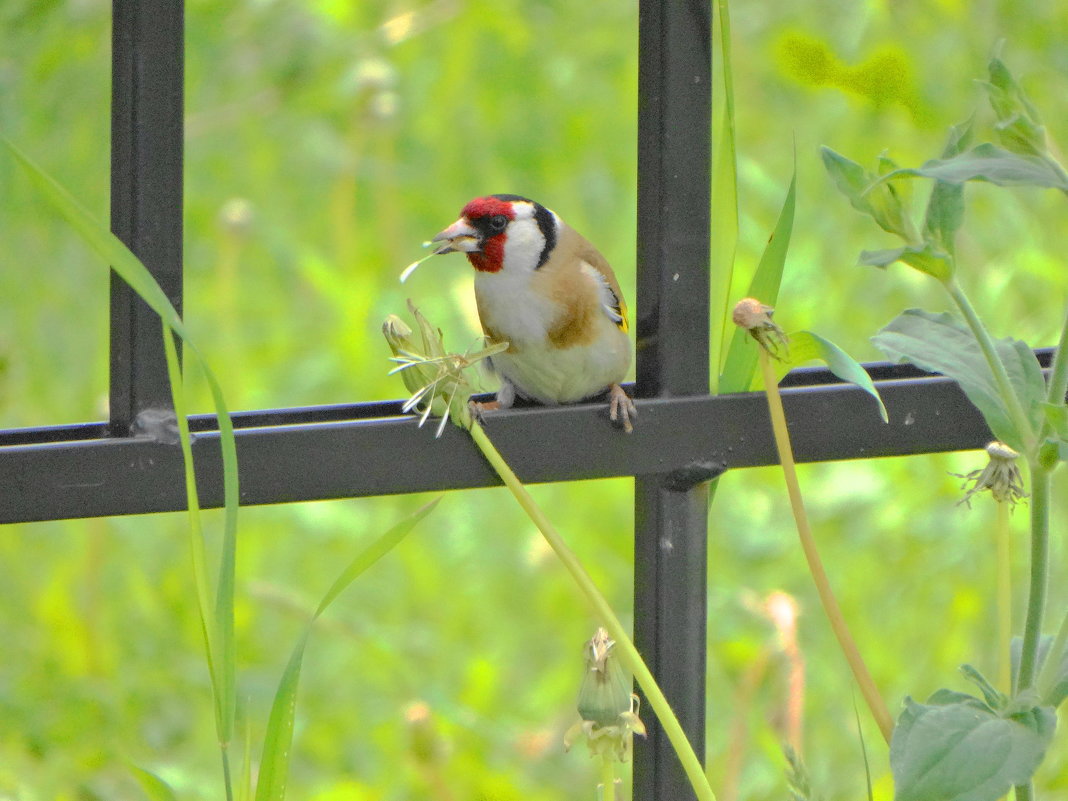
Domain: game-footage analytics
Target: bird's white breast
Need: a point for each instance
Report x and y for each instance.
(514, 311)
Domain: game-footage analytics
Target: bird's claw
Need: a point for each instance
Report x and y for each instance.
(621, 407)
(478, 409)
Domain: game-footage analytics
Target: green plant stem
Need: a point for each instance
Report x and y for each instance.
(608, 779)
(1058, 376)
(997, 368)
(1003, 555)
(1036, 598)
(808, 544)
(628, 654)
(1054, 657)
(1024, 792)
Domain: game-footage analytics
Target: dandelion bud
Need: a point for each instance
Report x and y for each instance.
(436, 378)
(606, 704)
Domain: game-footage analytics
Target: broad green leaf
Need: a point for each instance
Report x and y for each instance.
(940, 343)
(924, 258)
(956, 748)
(1019, 127)
(1010, 99)
(806, 346)
(740, 364)
(869, 194)
(274, 761)
(945, 209)
(851, 179)
(988, 162)
(154, 787)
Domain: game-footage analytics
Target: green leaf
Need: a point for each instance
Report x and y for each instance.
(100, 239)
(994, 699)
(956, 748)
(1018, 125)
(155, 788)
(218, 627)
(940, 343)
(1057, 417)
(924, 258)
(869, 194)
(988, 162)
(806, 346)
(1057, 680)
(740, 364)
(277, 742)
(945, 209)
(724, 244)
(1059, 690)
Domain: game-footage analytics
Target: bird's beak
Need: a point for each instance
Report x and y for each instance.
(459, 236)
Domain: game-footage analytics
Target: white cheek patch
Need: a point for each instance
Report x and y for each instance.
(523, 247)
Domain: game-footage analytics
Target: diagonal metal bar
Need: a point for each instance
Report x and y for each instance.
(670, 507)
(146, 195)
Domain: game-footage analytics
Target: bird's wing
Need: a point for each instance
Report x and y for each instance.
(614, 306)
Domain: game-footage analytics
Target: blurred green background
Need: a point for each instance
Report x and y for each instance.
(325, 141)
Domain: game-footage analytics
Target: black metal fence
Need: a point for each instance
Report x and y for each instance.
(685, 436)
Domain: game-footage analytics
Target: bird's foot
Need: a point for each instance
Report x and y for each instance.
(621, 407)
(478, 410)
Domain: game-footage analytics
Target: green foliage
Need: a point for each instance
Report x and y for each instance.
(154, 787)
(278, 740)
(740, 364)
(868, 194)
(942, 344)
(805, 346)
(321, 152)
(988, 162)
(959, 748)
(945, 209)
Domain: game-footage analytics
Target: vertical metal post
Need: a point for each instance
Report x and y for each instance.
(146, 194)
(674, 195)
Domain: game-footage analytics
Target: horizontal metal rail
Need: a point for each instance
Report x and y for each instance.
(367, 449)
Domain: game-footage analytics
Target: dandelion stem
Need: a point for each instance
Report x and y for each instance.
(1036, 599)
(1004, 596)
(808, 544)
(608, 779)
(626, 651)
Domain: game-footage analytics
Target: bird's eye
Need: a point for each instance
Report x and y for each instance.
(498, 222)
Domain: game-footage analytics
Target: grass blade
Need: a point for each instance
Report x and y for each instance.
(218, 627)
(154, 787)
(740, 365)
(724, 202)
(274, 762)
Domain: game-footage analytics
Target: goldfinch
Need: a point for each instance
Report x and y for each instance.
(549, 293)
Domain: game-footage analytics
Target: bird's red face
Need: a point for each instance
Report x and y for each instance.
(481, 232)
